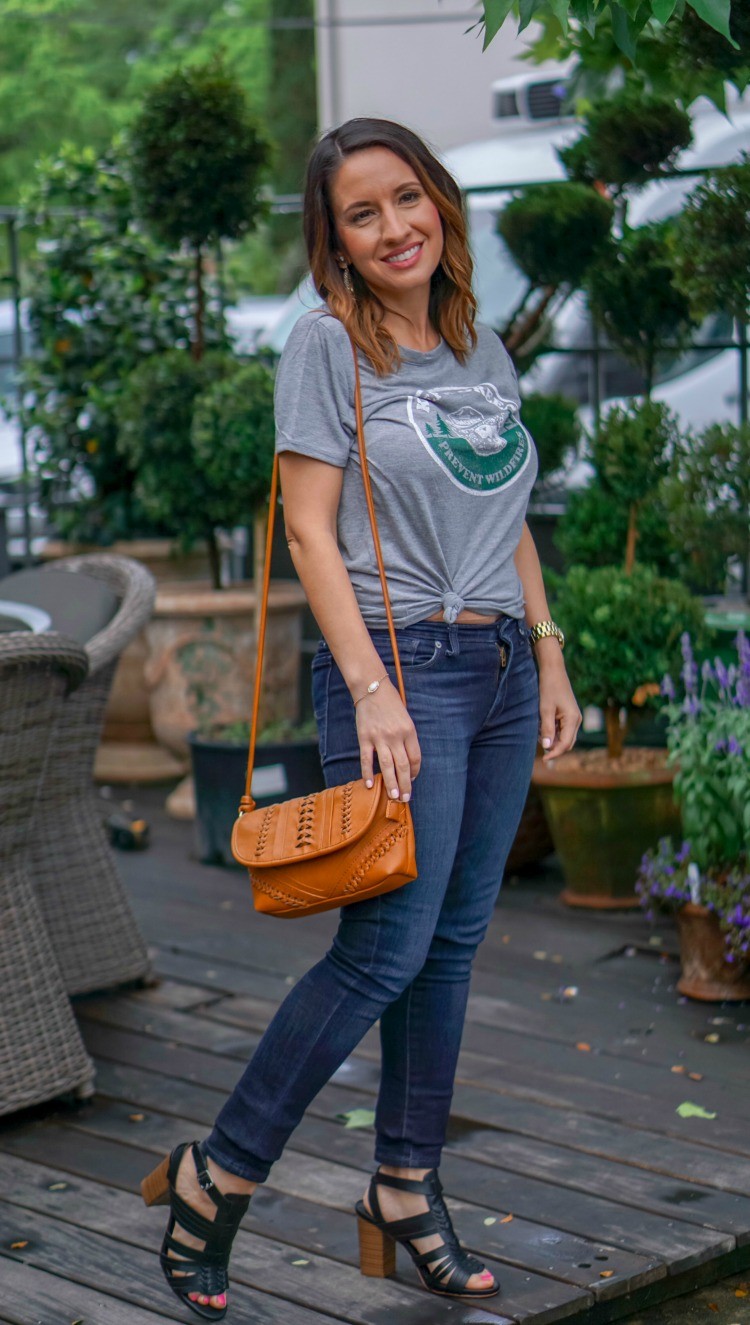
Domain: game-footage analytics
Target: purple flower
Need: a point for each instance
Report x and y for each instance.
(707, 671)
(722, 674)
(689, 671)
(691, 706)
(720, 746)
(734, 747)
(667, 687)
(683, 853)
(743, 680)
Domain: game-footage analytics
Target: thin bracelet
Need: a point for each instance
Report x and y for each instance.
(372, 687)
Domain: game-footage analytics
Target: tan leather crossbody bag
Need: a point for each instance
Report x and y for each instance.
(335, 846)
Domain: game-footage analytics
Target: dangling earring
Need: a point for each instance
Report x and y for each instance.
(348, 283)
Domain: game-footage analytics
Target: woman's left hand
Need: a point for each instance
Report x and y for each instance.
(559, 714)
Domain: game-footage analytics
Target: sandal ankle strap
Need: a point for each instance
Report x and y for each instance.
(421, 1186)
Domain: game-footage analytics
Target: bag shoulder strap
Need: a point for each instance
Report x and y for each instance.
(247, 803)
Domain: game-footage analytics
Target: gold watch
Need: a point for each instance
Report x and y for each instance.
(543, 629)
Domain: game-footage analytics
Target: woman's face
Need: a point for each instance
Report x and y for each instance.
(387, 226)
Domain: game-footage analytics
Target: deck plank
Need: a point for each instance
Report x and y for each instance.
(579, 1073)
(38, 1297)
(317, 1285)
(583, 1148)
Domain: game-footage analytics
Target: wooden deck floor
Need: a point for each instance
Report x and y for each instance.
(569, 1169)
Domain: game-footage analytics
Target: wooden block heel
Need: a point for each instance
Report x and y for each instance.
(155, 1187)
(445, 1269)
(377, 1251)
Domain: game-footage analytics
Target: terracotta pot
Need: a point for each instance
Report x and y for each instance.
(603, 815)
(201, 661)
(706, 974)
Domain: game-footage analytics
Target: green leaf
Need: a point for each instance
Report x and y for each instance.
(584, 11)
(663, 9)
(561, 10)
(688, 1110)
(625, 32)
(526, 11)
(495, 14)
(717, 14)
(358, 1117)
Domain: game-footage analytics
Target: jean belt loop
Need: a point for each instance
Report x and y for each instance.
(454, 645)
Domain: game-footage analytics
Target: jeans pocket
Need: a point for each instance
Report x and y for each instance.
(426, 654)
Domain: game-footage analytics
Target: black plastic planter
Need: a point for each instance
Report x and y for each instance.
(282, 771)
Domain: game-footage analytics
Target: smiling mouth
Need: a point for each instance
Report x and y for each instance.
(405, 256)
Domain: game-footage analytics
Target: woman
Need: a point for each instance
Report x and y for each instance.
(452, 468)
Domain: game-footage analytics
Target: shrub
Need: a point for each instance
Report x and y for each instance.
(622, 634)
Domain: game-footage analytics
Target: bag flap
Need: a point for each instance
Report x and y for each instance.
(308, 826)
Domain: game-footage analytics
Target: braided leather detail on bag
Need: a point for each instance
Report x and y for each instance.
(346, 811)
(354, 883)
(305, 822)
(260, 845)
(261, 882)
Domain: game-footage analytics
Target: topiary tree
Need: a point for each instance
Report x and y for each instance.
(628, 139)
(707, 500)
(557, 233)
(626, 613)
(633, 296)
(594, 530)
(631, 455)
(554, 424)
(232, 437)
(712, 266)
(198, 159)
(553, 232)
(155, 419)
(200, 434)
(712, 243)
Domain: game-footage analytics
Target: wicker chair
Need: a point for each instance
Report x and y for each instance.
(85, 906)
(41, 1051)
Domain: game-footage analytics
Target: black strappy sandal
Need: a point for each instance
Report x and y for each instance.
(204, 1271)
(452, 1266)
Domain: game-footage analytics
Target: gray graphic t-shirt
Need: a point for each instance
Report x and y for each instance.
(450, 462)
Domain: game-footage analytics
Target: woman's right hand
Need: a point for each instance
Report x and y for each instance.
(385, 728)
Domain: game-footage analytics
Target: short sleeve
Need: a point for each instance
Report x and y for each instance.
(314, 394)
(505, 374)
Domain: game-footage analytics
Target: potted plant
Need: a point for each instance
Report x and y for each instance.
(622, 626)
(287, 764)
(705, 882)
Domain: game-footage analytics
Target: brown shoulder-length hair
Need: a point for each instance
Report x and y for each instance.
(452, 305)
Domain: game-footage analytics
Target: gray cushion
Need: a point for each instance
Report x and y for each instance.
(79, 605)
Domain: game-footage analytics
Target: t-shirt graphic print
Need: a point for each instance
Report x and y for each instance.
(473, 433)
